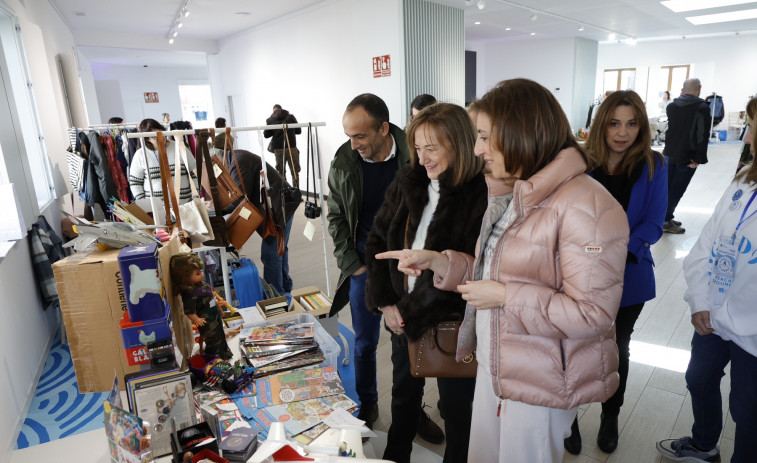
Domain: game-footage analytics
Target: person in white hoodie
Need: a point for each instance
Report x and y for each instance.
(720, 272)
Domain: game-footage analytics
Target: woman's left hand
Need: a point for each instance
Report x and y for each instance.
(483, 294)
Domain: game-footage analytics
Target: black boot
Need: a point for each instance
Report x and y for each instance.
(573, 442)
(607, 439)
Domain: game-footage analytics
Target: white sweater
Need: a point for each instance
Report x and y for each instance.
(736, 318)
(138, 174)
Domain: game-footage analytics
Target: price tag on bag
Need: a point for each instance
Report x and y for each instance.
(217, 170)
(245, 213)
(309, 231)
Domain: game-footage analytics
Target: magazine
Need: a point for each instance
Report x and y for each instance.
(127, 435)
(298, 361)
(300, 416)
(284, 333)
(256, 351)
(302, 384)
(308, 436)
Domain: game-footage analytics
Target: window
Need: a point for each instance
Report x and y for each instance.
(619, 79)
(22, 153)
(196, 104)
(674, 76)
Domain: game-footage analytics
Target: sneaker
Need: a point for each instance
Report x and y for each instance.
(675, 222)
(428, 430)
(683, 450)
(670, 227)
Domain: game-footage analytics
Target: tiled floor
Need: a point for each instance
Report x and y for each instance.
(657, 405)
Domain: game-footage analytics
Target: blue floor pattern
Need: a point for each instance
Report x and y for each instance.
(58, 410)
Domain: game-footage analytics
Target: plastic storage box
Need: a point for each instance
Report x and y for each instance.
(327, 344)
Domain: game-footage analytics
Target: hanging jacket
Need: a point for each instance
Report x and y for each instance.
(100, 184)
(116, 169)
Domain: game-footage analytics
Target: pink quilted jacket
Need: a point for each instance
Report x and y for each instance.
(562, 261)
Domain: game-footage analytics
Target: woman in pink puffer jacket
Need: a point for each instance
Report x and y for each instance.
(544, 287)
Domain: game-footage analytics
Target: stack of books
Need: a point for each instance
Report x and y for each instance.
(240, 445)
(316, 301)
(275, 308)
(280, 347)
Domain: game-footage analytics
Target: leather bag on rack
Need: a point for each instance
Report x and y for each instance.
(194, 213)
(228, 190)
(272, 226)
(433, 354)
(169, 196)
(217, 222)
(245, 219)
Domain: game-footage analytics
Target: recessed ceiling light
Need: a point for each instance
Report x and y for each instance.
(722, 17)
(186, 13)
(170, 41)
(533, 33)
(508, 28)
(692, 5)
(477, 23)
(611, 36)
(581, 27)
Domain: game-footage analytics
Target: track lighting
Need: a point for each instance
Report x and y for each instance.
(170, 41)
(481, 4)
(534, 17)
(179, 25)
(175, 33)
(186, 12)
(581, 27)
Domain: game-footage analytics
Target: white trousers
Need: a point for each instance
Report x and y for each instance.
(521, 433)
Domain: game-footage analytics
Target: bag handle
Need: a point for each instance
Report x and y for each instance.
(204, 156)
(308, 162)
(291, 158)
(180, 158)
(165, 178)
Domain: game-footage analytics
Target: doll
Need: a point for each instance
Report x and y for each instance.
(200, 305)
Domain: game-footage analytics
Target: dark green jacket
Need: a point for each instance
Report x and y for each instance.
(345, 198)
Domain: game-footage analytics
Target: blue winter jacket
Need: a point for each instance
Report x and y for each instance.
(646, 212)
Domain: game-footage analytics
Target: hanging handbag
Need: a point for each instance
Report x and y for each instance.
(271, 225)
(228, 190)
(312, 209)
(217, 222)
(246, 218)
(169, 196)
(194, 214)
(433, 354)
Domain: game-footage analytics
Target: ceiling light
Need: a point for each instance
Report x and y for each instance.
(170, 41)
(477, 23)
(679, 6)
(611, 36)
(534, 17)
(533, 33)
(722, 17)
(179, 24)
(481, 4)
(508, 28)
(581, 27)
(186, 12)
(175, 33)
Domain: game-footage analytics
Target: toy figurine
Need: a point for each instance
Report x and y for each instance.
(200, 305)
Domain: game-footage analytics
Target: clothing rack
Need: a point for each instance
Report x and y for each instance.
(118, 126)
(318, 173)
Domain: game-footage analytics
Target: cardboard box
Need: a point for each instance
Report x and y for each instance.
(294, 307)
(136, 335)
(93, 301)
(298, 294)
(141, 275)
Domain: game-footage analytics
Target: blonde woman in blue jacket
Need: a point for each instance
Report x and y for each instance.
(620, 143)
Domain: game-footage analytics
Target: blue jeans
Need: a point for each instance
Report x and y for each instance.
(679, 177)
(367, 326)
(709, 356)
(276, 267)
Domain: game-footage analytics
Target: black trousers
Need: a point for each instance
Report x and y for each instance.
(624, 323)
(456, 400)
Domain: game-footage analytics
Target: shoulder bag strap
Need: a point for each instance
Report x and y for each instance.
(203, 155)
(180, 157)
(291, 158)
(165, 178)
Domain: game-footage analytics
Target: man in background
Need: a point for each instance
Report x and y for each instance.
(278, 144)
(685, 145)
(360, 174)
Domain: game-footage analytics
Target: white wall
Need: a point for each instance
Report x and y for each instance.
(727, 65)
(109, 98)
(134, 81)
(313, 64)
(552, 63)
